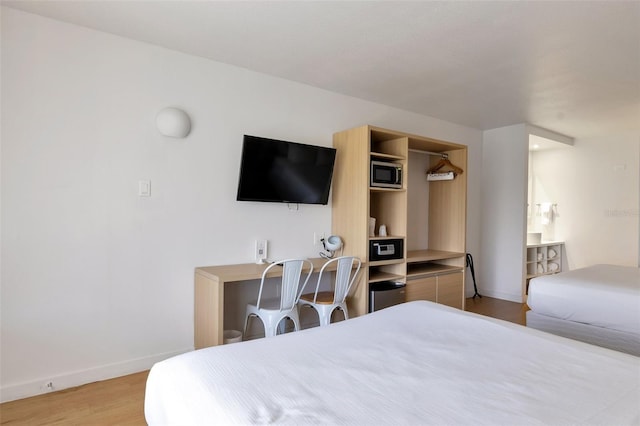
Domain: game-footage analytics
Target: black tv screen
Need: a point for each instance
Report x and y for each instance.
(273, 170)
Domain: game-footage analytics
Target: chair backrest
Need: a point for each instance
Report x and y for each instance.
(292, 273)
(345, 277)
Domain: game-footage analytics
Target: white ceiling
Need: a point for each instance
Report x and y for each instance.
(572, 67)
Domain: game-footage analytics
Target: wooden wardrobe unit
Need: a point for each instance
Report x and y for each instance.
(434, 272)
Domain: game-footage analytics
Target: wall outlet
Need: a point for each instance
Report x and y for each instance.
(317, 238)
(261, 251)
(47, 387)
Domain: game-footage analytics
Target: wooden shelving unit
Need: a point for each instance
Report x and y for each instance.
(355, 201)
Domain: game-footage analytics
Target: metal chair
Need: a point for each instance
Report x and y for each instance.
(273, 310)
(325, 302)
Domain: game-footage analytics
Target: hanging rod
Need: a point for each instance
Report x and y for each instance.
(439, 154)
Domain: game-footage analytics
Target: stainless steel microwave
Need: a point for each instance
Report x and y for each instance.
(386, 175)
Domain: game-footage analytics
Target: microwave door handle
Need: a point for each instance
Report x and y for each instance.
(397, 175)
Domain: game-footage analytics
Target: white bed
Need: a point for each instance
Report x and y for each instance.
(599, 304)
(414, 363)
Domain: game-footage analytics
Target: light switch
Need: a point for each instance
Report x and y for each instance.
(144, 188)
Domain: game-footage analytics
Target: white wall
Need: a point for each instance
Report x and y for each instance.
(97, 282)
(595, 184)
(503, 218)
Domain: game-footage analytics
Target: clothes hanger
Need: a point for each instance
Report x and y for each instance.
(444, 161)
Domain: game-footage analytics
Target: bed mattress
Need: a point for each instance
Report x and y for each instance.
(414, 363)
(607, 338)
(605, 296)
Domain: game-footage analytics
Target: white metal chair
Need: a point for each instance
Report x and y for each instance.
(272, 311)
(325, 302)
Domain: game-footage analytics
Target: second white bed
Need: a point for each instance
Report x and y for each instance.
(599, 304)
(602, 295)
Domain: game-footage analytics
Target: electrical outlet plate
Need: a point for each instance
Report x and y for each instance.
(317, 238)
(144, 188)
(261, 251)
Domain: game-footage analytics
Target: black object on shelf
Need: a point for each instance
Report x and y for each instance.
(473, 275)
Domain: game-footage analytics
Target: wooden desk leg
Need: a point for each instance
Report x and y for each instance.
(208, 312)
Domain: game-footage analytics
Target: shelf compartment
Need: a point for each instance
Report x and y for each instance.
(378, 276)
(389, 144)
(388, 237)
(417, 256)
(434, 262)
(386, 262)
(544, 259)
(383, 156)
(426, 269)
(380, 189)
(386, 206)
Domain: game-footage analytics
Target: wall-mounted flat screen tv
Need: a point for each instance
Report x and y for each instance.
(273, 170)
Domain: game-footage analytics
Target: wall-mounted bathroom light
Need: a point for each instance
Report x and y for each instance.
(173, 122)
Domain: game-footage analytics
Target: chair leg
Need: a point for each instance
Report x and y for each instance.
(296, 320)
(271, 325)
(270, 331)
(325, 315)
(301, 307)
(246, 324)
(282, 325)
(345, 311)
(346, 314)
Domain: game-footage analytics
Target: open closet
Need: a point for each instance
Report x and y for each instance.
(422, 219)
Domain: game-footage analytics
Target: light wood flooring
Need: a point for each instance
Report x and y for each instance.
(120, 401)
(496, 308)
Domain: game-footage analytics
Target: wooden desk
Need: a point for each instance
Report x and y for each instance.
(209, 296)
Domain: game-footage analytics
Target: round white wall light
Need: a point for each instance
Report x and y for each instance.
(173, 122)
(331, 245)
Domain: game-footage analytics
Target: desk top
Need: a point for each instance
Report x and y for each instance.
(251, 271)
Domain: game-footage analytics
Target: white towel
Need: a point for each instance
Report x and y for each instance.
(553, 266)
(551, 253)
(540, 268)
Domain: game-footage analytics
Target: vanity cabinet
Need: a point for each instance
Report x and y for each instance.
(425, 288)
(444, 288)
(429, 279)
(543, 259)
(424, 267)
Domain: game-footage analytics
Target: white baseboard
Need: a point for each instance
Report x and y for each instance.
(78, 378)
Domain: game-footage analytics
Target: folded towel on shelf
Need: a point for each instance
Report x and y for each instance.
(553, 266)
(540, 268)
(551, 253)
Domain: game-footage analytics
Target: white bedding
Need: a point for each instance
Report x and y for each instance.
(414, 363)
(606, 296)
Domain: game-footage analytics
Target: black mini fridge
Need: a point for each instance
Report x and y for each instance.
(385, 294)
